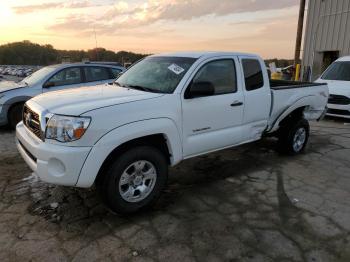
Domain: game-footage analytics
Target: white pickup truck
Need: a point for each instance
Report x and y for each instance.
(164, 109)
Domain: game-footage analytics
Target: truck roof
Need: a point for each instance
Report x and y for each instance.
(108, 64)
(204, 54)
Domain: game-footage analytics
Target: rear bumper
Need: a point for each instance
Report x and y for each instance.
(56, 164)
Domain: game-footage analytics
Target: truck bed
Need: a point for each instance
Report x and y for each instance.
(289, 95)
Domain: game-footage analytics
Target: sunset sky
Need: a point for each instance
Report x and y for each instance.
(266, 27)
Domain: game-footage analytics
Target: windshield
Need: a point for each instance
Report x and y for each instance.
(38, 75)
(156, 74)
(337, 71)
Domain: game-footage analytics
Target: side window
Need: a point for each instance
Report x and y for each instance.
(68, 76)
(97, 73)
(221, 74)
(115, 72)
(253, 74)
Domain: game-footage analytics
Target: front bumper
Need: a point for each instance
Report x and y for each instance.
(339, 110)
(56, 164)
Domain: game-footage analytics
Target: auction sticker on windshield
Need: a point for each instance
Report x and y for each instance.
(176, 69)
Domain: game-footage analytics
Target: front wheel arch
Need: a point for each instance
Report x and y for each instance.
(157, 141)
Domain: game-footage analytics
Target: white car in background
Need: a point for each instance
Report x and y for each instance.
(337, 76)
(51, 78)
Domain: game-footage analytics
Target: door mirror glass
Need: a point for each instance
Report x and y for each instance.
(48, 84)
(200, 89)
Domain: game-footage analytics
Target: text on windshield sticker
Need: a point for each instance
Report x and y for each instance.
(176, 69)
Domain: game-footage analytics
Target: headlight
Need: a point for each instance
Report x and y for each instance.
(66, 128)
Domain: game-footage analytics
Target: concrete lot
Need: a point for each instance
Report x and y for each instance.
(245, 204)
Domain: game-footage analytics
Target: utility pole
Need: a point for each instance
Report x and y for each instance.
(299, 32)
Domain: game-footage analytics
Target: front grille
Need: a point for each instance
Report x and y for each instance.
(31, 120)
(338, 112)
(338, 100)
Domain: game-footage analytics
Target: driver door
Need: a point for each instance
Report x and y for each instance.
(212, 122)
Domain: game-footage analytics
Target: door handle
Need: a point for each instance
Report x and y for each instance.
(237, 103)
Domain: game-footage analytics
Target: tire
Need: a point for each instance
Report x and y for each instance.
(15, 115)
(122, 184)
(294, 136)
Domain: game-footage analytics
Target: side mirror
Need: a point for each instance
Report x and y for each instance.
(200, 89)
(48, 84)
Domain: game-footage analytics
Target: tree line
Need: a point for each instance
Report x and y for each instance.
(28, 53)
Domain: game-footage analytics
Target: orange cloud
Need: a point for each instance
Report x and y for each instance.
(124, 16)
(25, 9)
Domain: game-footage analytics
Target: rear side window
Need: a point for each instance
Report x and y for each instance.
(115, 72)
(96, 73)
(252, 74)
(221, 74)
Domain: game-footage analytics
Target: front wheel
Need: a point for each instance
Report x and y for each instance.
(135, 180)
(293, 137)
(15, 115)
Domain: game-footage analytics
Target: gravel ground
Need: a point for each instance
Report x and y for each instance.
(243, 204)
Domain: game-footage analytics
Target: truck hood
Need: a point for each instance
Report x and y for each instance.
(337, 87)
(80, 100)
(9, 85)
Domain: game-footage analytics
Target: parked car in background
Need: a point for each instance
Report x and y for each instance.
(51, 78)
(28, 72)
(337, 76)
(164, 109)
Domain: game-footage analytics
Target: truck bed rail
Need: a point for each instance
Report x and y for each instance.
(284, 84)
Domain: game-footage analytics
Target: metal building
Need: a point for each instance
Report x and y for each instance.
(327, 35)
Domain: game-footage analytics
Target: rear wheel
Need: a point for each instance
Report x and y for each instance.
(294, 136)
(135, 180)
(15, 115)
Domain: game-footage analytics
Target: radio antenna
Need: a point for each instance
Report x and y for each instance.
(95, 44)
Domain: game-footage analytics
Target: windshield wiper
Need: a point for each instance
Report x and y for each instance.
(142, 88)
(118, 84)
(137, 87)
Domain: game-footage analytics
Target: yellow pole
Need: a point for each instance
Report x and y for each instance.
(297, 72)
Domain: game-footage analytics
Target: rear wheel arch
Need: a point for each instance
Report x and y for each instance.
(293, 116)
